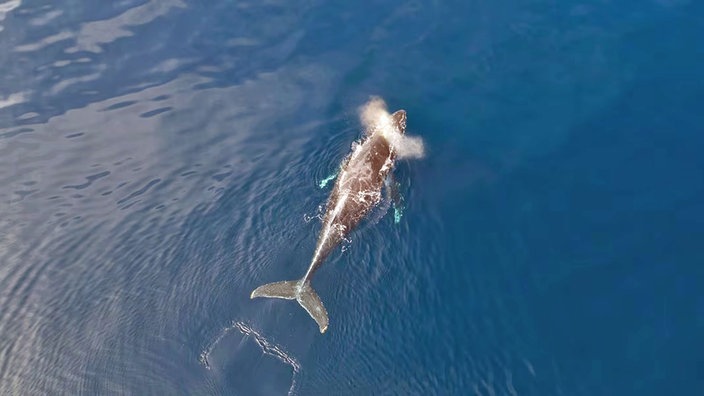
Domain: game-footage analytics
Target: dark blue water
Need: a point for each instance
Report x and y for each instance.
(159, 159)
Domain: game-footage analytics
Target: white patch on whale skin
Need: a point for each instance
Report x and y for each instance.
(388, 164)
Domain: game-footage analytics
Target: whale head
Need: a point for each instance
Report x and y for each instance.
(399, 121)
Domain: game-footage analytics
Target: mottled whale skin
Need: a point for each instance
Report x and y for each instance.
(356, 192)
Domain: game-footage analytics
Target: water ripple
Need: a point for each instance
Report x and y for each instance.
(171, 153)
(266, 346)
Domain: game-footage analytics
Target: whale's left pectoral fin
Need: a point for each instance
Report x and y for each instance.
(393, 189)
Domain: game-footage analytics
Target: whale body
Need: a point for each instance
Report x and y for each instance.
(357, 191)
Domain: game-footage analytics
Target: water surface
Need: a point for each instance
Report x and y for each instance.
(159, 160)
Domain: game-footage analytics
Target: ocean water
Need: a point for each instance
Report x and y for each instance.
(159, 159)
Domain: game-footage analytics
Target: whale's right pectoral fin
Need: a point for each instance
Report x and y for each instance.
(300, 291)
(393, 189)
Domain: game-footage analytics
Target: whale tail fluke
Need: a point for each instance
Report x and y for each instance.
(285, 290)
(300, 291)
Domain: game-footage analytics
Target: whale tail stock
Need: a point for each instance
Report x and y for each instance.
(301, 291)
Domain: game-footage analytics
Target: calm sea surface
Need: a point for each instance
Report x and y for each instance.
(159, 159)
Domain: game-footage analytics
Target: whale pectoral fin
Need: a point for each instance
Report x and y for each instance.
(393, 189)
(328, 179)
